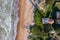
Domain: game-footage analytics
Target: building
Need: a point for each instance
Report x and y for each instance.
(47, 21)
(58, 17)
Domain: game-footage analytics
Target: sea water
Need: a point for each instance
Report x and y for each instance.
(8, 19)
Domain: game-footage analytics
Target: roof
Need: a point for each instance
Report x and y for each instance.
(58, 20)
(58, 14)
(51, 21)
(47, 21)
(58, 17)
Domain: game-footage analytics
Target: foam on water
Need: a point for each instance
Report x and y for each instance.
(8, 19)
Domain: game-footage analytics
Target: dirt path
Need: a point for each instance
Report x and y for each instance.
(25, 14)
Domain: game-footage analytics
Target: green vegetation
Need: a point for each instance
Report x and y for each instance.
(40, 31)
(38, 17)
(57, 5)
(49, 2)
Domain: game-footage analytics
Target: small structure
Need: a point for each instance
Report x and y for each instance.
(58, 17)
(51, 21)
(47, 21)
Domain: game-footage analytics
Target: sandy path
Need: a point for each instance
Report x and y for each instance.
(25, 19)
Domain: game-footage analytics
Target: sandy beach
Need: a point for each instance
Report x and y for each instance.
(25, 15)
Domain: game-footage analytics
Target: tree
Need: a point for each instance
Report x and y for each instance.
(38, 19)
